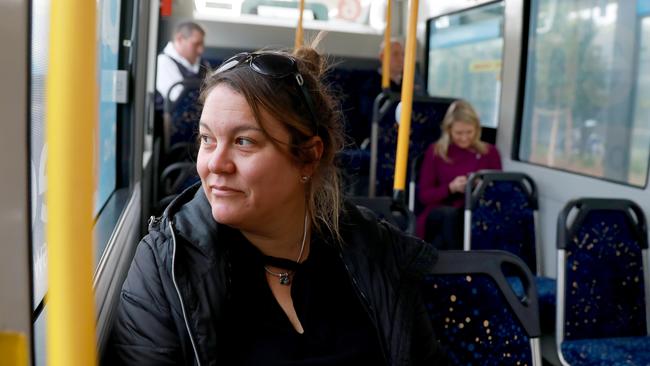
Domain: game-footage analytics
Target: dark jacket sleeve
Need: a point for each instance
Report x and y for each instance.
(426, 349)
(416, 258)
(144, 332)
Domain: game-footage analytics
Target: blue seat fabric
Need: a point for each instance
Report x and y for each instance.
(473, 321)
(504, 219)
(357, 90)
(624, 351)
(604, 280)
(185, 116)
(546, 289)
(426, 117)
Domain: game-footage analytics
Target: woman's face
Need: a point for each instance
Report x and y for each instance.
(462, 134)
(249, 181)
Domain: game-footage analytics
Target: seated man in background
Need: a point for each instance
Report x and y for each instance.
(445, 169)
(180, 60)
(397, 68)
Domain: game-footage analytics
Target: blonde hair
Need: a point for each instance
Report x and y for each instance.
(459, 111)
(277, 98)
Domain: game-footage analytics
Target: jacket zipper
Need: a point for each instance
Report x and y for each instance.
(178, 292)
(367, 307)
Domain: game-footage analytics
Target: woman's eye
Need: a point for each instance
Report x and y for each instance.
(205, 139)
(243, 141)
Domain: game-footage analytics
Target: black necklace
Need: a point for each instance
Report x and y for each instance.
(285, 277)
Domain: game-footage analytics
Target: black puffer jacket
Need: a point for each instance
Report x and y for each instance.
(170, 308)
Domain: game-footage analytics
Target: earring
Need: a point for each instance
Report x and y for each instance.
(304, 179)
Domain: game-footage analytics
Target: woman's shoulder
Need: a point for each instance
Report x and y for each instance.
(383, 241)
(491, 149)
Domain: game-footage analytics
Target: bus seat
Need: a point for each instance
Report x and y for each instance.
(414, 203)
(393, 211)
(175, 144)
(501, 213)
(426, 116)
(181, 116)
(502, 210)
(353, 164)
(502, 331)
(174, 179)
(602, 290)
(356, 90)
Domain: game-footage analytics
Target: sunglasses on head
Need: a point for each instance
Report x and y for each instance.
(274, 65)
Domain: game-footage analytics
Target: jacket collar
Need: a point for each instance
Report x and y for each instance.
(191, 217)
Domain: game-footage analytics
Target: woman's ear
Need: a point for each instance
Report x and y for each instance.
(314, 150)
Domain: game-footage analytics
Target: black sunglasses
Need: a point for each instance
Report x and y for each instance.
(274, 65)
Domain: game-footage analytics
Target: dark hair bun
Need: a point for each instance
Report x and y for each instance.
(312, 61)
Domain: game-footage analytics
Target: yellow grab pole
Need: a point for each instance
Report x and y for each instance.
(299, 31)
(71, 120)
(13, 348)
(407, 100)
(385, 62)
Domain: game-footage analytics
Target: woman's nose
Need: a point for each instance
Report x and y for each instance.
(220, 161)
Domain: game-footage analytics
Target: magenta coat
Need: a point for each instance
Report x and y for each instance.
(436, 174)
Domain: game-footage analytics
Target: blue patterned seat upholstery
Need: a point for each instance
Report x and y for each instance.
(356, 90)
(182, 115)
(623, 351)
(502, 207)
(474, 331)
(426, 116)
(603, 277)
(502, 210)
(175, 144)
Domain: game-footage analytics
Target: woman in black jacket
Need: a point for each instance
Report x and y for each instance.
(262, 263)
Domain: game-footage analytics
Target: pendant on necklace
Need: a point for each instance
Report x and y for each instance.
(284, 279)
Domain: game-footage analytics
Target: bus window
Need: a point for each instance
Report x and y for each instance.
(108, 43)
(40, 24)
(587, 88)
(464, 58)
(105, 146)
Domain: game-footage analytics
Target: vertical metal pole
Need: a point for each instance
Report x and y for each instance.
(71, 125)
(299, 30)
(407, 102)
(385, 62)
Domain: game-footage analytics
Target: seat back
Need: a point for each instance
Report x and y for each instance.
(426, 116)
(393, 211)
(602, 250)
(181, 116)
(501, 213)
(475, 314)
(414, 170)
(356, 90)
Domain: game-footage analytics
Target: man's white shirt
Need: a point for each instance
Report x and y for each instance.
(167, 73)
